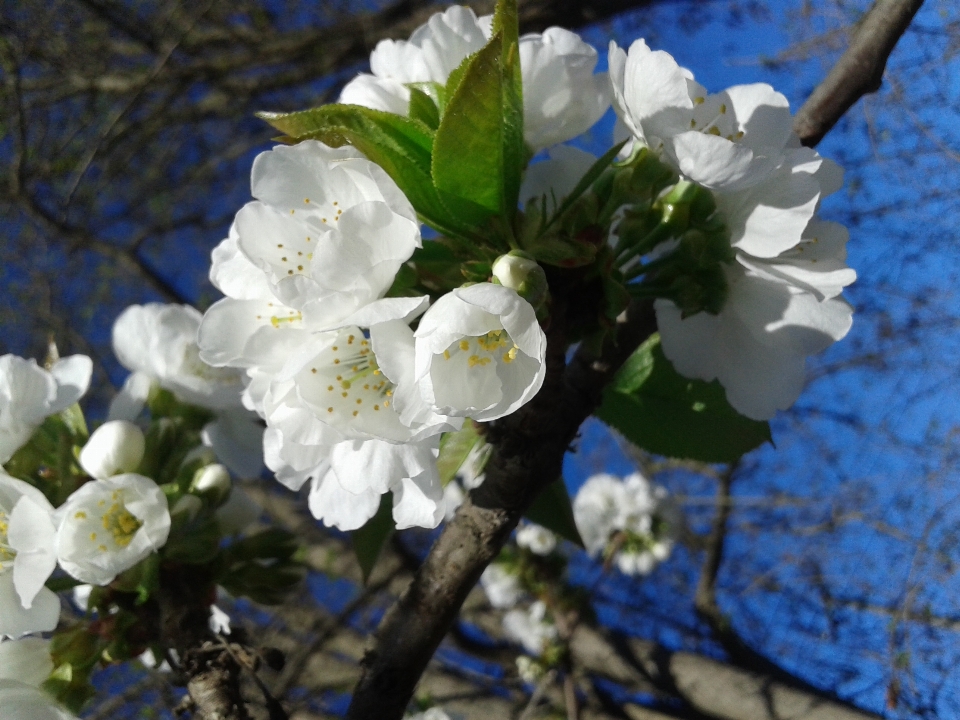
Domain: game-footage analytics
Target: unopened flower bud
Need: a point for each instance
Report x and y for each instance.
(212, 481)
(114, 448)
(518, 271)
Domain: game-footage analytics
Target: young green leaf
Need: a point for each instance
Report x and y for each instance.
(369, 540)
(468, 159)
(665, 413)
(553, 510)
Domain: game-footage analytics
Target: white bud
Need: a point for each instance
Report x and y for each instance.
(115, 447)
(214, 481)
(518, 271)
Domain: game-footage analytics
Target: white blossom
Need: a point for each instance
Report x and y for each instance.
(726, 141)
(29, 394)
(562, 97)
(790, 267)
(536, 538)
(530, 628)
(480, 352)
(27, 558)
(434, 50)
(757, 345)
(115, 447)
(109, 525)
(502, 587)
(325, 237)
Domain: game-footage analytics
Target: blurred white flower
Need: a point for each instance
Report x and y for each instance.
(530, 628)
(501, 586)
(159, 342)
(21, 701)
(536, 538)
(26, 660)
(29, 394)
(24, 665)
(109, 525)
(629, 519)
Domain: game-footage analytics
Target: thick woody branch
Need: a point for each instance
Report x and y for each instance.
(858, 72)
(528, 450)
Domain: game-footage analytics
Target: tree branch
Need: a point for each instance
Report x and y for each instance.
(528, 449)
(859, 70)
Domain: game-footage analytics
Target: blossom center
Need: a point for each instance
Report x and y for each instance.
(710, 117)
(114, 528)
(481, 350)
(348, 382)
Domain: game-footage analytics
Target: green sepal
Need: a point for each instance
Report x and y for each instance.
(551, 250)
(369, 540)
(424, 108)
(553, 510)
(142, 579)
(665, 413)
(584, 184)
(454, 449)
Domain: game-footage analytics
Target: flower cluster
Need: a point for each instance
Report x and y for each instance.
(115, 510)
(785, 267)
(354, 399)
(626, 521)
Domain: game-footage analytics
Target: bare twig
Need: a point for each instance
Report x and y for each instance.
(859, 70)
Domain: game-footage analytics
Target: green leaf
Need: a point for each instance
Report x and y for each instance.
(369, 540)
(454, 449)
(665, 413)
(553, 510)
(478, 152)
